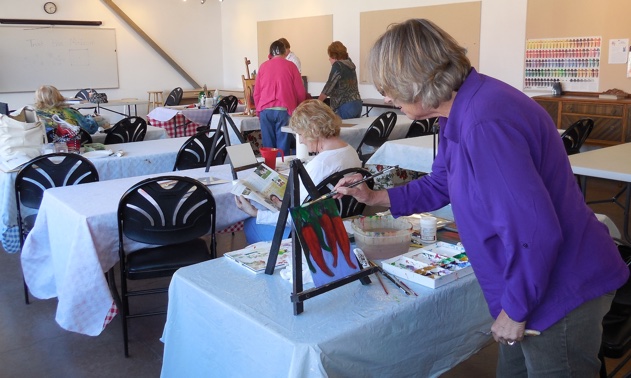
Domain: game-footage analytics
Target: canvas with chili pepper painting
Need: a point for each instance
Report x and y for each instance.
(324, 241)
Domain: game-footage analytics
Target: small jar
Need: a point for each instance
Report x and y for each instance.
(428, 230)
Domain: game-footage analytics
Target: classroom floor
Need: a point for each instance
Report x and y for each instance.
(33, 345)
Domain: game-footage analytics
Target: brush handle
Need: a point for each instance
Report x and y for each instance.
(334, 192)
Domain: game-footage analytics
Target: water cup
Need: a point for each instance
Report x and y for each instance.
(270, 154)
(47, 148)
(210, 102)
(428, 230)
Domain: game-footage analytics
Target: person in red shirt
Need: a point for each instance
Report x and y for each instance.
(278, 89)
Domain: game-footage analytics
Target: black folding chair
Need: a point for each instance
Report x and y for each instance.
(129, 129)
(196, 151)
(575, 135)
(347, 205)
(45, 172)
(171, 214)
(175, 97)
(229, 103)
(377, 134)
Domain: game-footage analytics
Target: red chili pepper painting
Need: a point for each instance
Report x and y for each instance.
(330, 232)
(322, 234)
(313, 245)
(345, 244)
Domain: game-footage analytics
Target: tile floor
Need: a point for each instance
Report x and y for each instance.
(33, 345)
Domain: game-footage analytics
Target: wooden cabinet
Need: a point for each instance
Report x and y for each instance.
(611, 117)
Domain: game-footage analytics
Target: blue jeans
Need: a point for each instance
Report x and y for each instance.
(255, 233)
(271, 122)
(351, 109)
(567, 349)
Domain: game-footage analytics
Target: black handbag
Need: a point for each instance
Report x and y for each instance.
(98, 98)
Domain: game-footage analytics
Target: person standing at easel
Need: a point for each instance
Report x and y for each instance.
(278, 89)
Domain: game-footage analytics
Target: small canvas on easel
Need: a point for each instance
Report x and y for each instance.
(325, 242)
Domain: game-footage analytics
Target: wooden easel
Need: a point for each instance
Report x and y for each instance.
(248, 90)
(292, 199)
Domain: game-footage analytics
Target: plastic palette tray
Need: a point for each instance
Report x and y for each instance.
(432, 266)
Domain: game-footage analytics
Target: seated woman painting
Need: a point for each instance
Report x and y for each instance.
(319, 129)
(51, 104)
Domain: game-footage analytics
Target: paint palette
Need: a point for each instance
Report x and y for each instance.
(432, 266)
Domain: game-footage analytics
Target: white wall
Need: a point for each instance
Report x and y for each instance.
(211, 40)
(187, 31)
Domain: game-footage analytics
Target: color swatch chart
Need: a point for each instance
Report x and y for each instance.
(573, 62)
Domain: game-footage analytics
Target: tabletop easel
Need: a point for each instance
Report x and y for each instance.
(292, 199)
(222, 127)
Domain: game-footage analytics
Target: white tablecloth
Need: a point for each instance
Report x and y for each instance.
(417, 154)
(140, 158)
(610, 163)
(354, 134)
(153, 133)
(224, 321)
(411, 153)
(126, 104)
(75, 240)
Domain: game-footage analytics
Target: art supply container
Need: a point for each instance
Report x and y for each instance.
(74, 145)
(270, 154)
(61, 147)
(428, 230)
(382, 237)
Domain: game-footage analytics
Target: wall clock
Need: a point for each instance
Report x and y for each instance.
(50, 7)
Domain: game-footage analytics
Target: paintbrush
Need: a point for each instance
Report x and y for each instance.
(363, 261)
(395, 281)
(334, 192)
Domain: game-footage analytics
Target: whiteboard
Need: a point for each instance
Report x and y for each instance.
(68, 58)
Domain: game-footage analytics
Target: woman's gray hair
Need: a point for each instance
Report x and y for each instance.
(418, 61)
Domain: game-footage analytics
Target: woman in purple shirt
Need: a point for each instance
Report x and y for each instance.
(543, 260)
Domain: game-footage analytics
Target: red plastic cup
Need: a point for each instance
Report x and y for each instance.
(270, 154)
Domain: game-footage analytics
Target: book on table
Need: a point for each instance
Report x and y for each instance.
(264, 185)
(254, 257)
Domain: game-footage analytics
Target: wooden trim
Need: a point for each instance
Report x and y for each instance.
(150, 41)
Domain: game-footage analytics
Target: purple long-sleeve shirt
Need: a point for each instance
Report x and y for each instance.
(537, 249)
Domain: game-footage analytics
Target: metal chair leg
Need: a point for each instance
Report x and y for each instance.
(26, 295)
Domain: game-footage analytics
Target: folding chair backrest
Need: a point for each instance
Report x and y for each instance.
(174, 98)
(195, 152)
(129, 129)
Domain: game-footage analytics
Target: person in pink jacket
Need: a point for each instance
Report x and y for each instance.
(278, 90)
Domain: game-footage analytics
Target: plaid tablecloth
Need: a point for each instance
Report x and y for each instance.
(184, 126)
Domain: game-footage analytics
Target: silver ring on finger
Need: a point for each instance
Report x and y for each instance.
(512, 342)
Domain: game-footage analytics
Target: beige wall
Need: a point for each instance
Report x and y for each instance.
(502, 32)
